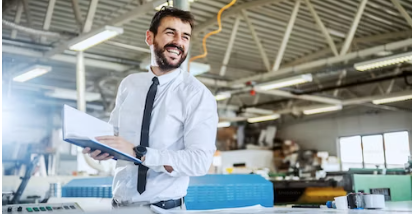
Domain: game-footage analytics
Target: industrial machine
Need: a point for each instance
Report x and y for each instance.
(24, 181)
(39, 208)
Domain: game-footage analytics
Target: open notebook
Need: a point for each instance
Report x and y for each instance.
(81, 130)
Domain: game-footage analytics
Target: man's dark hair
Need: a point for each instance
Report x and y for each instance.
(185, 16)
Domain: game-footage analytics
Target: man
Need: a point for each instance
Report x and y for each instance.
(165, 117)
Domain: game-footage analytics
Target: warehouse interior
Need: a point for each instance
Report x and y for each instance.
(314, 97)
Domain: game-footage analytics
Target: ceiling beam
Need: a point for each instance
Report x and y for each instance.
(77, 13)
(314, 98)
(230, 12)
(302, 68)
(17, 18)
(230, 46)
(367, 39)
(356, 101)
(403, 11)
(339, 82)
(28, 16)
(322, 27)
(257, 41)
(90, 16)
(65, 58)
(362, 100)
(141, 10)
(353, 28)
(47, 18)
(286, 37)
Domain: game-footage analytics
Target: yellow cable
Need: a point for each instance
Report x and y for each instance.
(219, 14)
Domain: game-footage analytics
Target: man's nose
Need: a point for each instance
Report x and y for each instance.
(177, 40)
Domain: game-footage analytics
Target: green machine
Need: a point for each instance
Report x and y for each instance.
(395, 187)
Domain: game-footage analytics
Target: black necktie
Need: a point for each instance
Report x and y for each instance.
(144, 136)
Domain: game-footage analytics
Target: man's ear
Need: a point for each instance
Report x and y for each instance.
(149, 37)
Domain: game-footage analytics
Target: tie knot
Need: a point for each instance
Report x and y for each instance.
(155, 81)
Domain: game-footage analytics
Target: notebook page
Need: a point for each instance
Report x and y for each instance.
(79, 125)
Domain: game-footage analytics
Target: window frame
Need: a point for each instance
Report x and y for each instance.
(361, 142)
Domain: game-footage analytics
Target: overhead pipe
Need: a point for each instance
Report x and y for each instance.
(303, 68)
(356, 83)
(28, 30)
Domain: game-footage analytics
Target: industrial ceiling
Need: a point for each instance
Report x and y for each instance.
(274, 40)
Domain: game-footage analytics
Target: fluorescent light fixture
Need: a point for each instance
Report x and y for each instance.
(94, 37)
(382, 62)
(222, 96)
(197, 68)
(392, 99)
(286, 82)
(31, 73)
(322, 110)
(336, 33)
(68, 94)
(263, 118)
(223, 124)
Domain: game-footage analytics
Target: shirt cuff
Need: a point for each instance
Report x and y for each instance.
(152, 158)
(155, 161)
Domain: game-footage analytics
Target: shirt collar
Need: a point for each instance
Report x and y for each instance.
(165, 78)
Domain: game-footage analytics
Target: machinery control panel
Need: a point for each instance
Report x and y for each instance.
(41, 208)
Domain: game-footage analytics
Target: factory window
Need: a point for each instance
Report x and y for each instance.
(389, 150)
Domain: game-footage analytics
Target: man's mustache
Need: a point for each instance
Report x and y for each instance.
(174, 46)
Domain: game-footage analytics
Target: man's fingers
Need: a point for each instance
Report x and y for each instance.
(108, 158)
(86, 150)
(102, 157)
(95, 153)
(106, 137)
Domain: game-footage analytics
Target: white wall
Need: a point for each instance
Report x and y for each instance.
(322, 134)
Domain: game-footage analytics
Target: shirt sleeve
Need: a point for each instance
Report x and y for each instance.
(200, 127)
(121, 94)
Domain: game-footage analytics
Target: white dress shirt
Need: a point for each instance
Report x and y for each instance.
(182, 134)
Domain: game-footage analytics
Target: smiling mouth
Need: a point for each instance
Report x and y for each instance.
(174, 52)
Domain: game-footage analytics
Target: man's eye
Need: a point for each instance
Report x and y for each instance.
(186, 37)
(169, 33)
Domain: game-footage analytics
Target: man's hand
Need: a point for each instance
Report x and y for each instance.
(114, 142)
(96, 154)
(118, 143)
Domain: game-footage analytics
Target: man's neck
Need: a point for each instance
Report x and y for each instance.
(158, 72)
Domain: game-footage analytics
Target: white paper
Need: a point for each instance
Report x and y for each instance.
(79, 125)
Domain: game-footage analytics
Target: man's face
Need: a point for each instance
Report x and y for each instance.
(171, 43)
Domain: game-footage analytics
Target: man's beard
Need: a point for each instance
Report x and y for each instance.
(161, 60)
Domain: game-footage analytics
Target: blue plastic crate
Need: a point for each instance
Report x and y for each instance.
(89, 187)
(228, 191)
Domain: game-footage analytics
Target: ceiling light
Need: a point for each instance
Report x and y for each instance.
(68, 94)
(336, 33)
(94, 37)
(197, 68)
(285, 82)
(263, 118)
(222, 96)
(392, 99)
(223, 124)
(382, 62)
(31, 73)
(322, 110)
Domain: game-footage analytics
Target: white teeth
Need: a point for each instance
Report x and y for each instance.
(173, 51)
